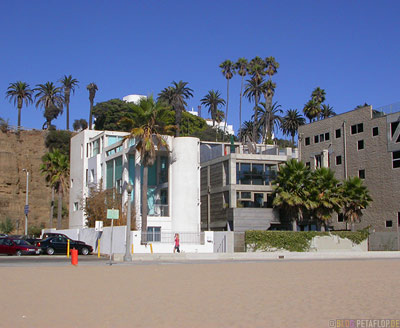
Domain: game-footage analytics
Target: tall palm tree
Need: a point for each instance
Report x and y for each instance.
(241, 68)
(56, 169)
(291, 190)
(327, 111)
(271, 66)
(311, 110)
(51, 99)
(176, 96)
(148, 129)
(68, 84)
(269, 118)
(291, 122)
(356, 198)
(228, 69)
(212, 100)
(19, 92)
(318, 95)
(92, 88)
(326, 195)
(269, 91)
(254, 89)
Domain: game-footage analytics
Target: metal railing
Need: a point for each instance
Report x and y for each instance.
(169, 237)
(388, 109)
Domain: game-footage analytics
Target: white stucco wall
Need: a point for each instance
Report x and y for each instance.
(185, 169)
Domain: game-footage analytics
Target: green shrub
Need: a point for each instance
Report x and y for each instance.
(295, 241)
(7, 226)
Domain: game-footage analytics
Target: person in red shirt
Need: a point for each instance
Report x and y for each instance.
(176, 248)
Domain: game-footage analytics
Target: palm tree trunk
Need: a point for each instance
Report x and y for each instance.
(294, 225)
(353, 226)
(240, 106)
(19, 117)
(227, 106)
(52, 208)
(90, 115)
(59, 208)
(67, 103)
(255, 119)
(144, 204)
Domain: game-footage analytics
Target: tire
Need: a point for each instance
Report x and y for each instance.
(85, 251)
(50, 251)
(18, 253)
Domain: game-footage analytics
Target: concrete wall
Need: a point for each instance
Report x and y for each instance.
(384, 241)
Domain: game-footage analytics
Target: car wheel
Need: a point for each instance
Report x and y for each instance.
(50, 251)
(84, 251)
(18, 253)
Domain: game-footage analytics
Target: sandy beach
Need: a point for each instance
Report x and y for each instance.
(267, 294)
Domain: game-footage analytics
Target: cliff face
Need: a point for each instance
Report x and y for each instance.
(17, 153)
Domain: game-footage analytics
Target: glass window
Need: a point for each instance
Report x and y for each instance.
(316, 139)
(338, 133)
(270, 173)
(322, 137)
(357, 128)
(393, 127)
(153, 234)
(389, 223)
(257, 174)
(163, 169)
(340, 217)
(245, 173)
(327, 137)
(338, 160)
(360, 144)
(396, 159)
(109, 174)
(307, 141)
(96, 147)
(375, 131)
(245, 195)
(318, 161)
(361, 174)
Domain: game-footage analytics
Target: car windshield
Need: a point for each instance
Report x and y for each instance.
(21, 242)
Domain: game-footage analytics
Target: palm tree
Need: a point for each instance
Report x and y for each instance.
(292, 192)
(326, 195)
(311, 110)
(269, 119)
(271, 66)
(318, 95)
(68, 84)
(253, 90)
(255, 87)
(241, 68)
(92, 88)
(147, 131)
(19, 92)
(56, 169)
(327, 111)
(356, 198)
(228, 69)
(175, 97)
(291, 122)
(212, 100)
(51, 99)
(269, 91)
(246, 132)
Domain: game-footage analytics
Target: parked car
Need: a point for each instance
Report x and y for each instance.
(18, 247)
(53, 234)
(59, 244)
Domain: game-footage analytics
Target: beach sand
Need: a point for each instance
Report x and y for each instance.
(262, 294)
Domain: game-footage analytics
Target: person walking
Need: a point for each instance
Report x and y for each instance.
(176, 247)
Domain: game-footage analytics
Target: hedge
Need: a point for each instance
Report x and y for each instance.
(295, 241)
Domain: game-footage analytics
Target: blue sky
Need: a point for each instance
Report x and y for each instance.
(349, 48)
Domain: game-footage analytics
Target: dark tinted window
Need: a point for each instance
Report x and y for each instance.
(307, 141)
(375, 131)
(361, 174)
(338, 160)
(360, 144)
(338, 133)
(327, 137)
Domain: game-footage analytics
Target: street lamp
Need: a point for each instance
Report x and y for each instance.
(26, 209)
(128, 256)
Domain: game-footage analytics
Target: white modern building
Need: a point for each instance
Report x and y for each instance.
(173, 180)
(218, 125)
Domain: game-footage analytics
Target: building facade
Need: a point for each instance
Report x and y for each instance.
(104, 158)
(364, 143)
(236, 186)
